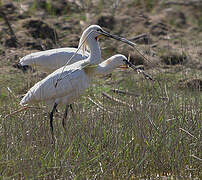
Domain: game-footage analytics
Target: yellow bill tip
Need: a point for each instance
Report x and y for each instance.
(123, 67)
(97, 38)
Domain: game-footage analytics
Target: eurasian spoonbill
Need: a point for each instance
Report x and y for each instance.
(74, 80)
(50, 60)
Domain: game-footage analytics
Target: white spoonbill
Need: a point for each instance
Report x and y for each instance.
(53, 59)
(75, 79)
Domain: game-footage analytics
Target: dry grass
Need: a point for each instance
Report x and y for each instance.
(150, 130)
(159, 135)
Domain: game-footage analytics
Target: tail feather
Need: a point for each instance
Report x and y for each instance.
(23, 61)
(27, 98)
(23, 100)
(26, 60)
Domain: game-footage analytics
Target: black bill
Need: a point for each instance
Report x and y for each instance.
(147, 76)
(129, 64)
(118, 38)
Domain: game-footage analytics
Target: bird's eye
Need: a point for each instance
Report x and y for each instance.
(125, 61)
(99, 30)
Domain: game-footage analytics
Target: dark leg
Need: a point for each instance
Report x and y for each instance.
(71, 108)
(51, 117)
(72, 111)
(65, 116)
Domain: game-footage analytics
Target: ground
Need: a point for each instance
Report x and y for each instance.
(145, 129)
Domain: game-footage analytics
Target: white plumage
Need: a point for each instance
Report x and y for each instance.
(53, 59)
(74, 80)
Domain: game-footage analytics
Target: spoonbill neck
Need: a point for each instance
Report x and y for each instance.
(106, 67)
(103, 68)
(95, 52)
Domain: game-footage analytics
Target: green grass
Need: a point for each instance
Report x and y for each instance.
(159, 136)
(156, 134)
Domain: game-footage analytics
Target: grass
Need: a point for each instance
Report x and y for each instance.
(159, 136)
(147, 4)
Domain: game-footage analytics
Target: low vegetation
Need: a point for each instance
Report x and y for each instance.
(125, 126)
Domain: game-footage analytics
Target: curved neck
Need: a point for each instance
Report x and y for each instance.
(106, 67)
(95, 52)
